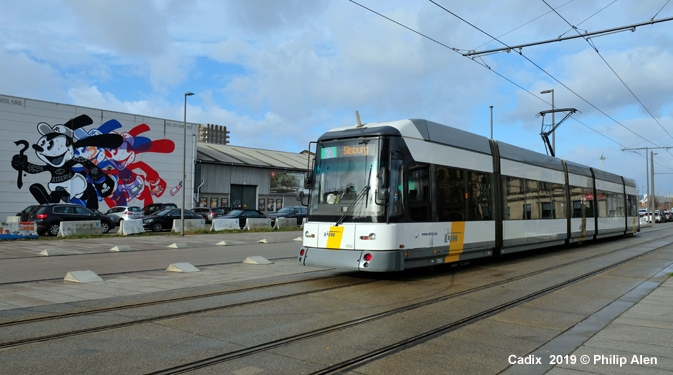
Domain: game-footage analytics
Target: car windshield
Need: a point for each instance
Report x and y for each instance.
(285, 210)
(135, 209)
(234, 213)
(162, 212)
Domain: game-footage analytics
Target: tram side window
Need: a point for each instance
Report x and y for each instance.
(450, 184)
(579, 200)
(589, 206)
(515, 204)
(418, 187)
(396, 190)
(479, 196)
(558, 200)
(545, 197)
(632, 205)
(532, 200)
(617, 205)
(602, 203)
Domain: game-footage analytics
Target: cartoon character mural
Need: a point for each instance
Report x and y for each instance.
(89, 166)
(135, 179)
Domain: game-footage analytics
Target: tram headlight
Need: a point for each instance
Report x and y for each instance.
(309, 235)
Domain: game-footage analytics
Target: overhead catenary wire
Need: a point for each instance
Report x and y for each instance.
(615, 73)
(548, 74)
(456, 50)
(610, 67)
(586, 19)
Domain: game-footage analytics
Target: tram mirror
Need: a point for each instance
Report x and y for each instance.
(382, 177)
(299, 195)
(308, 180)
(382, 194)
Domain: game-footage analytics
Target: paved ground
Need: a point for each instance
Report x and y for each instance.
(633, 335)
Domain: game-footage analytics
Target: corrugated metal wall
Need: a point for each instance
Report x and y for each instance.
(219, 178)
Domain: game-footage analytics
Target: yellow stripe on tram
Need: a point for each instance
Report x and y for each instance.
(456, 240)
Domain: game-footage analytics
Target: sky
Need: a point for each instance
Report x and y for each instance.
(279, 73)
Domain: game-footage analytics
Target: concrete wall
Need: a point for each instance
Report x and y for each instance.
(140, 157)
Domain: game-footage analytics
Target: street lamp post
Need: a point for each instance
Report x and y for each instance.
(553, 122)
(652, 203)
(184, 162)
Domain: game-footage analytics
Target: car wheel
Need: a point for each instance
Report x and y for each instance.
(53, 229)
(104, 227)
(157, 227)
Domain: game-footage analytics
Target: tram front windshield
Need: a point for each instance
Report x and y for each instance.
(346, 177)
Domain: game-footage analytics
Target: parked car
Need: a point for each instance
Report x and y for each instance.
(657, 216)
(298, 212)
(48, 217)
(225, 210)
(119, 213)
(242, 215)
(154, 207)
(163, 219)
(23, 215)
(208, 213)
(667, 216)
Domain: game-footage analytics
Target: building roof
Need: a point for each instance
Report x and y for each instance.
(250, 157)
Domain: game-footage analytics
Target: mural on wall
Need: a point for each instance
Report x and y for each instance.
(89, 166)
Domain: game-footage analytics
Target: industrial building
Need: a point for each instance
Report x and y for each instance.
(56, 152)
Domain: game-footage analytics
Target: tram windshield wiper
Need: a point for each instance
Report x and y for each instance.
(352, 205)
(364, 191)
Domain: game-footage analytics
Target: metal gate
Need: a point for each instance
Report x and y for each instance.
(243, 196)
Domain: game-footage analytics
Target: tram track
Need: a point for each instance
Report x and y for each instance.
(189, 312)
(249, 289)
(416, 339)
(163, 269)
(332, 328)
(113, 309)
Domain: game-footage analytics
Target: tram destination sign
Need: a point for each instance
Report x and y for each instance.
(335, 152)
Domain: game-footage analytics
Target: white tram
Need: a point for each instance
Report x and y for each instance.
(413, 193)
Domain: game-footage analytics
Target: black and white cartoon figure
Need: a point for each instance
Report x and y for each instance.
(73, 179)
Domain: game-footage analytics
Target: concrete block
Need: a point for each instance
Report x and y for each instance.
(190, 224)
(52, 251)
(283, 222)
(257, 223)
(257, 260)
(177, 245)
(82, 277)
(223, 224)
(13, 219)
(182, 267)
(121, 248)
(70, 228)
(265, 240)
(9, 227)
(132, 226)
(221, 243)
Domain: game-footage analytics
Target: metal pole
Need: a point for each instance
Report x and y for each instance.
(553, 123)
(184, 162)
(652, 203)
(491, 122)
(647, 180)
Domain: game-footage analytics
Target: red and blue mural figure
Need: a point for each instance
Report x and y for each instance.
(89, 166)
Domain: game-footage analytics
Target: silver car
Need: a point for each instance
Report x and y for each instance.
(119, 213)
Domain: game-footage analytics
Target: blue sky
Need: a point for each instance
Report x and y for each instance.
(278, 73)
